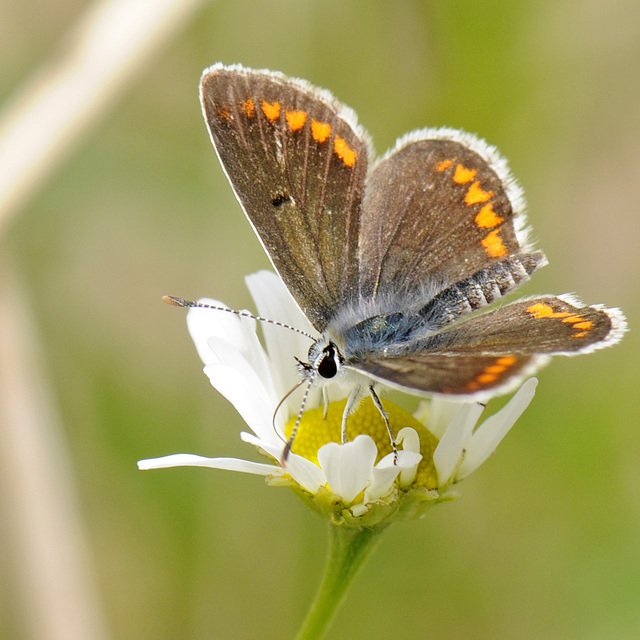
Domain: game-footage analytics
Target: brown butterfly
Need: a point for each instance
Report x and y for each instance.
(389, 258)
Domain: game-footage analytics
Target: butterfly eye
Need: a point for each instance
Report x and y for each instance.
(328, 367)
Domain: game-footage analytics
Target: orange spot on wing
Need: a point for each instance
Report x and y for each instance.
(222, 111)
(296, 119)
(463, 174)
(344, 151)
(487, 217)
(578, 322)
(320, 130)
(271, 110)
(491, 373)
(443, 165)
(249, 107)
(496, 368)
(542, 310)
(475, 194)
(493, 244)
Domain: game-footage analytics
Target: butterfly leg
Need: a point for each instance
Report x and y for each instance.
(325, 400)
(385, 417)
(352, 402)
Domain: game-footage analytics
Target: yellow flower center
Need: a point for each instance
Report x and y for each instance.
(315, 430)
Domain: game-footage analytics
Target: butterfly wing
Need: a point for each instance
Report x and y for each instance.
(438, 208)
(462, 375)
(495, 350)
(297, 161)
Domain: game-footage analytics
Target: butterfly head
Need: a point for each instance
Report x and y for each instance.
(324, 361)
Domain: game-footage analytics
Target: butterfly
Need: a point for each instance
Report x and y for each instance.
(390, 259)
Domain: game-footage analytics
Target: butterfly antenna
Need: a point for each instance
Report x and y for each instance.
(289, 444)
(275, 413)
(181, 302)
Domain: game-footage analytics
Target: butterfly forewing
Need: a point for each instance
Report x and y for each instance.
(436, 211)
(298, 167)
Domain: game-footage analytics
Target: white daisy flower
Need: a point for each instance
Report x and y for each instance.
(361, 481)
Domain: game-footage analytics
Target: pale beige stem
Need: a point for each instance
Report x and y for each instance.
(41, 125)
(50, 569)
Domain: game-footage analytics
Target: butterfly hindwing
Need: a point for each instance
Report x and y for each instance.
(494, 350)
(468, 374)
(544, 325)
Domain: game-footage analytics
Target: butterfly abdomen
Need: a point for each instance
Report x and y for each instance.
(481, 289)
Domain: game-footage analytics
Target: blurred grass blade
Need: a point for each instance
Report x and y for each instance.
(43, 122)
(46, 548)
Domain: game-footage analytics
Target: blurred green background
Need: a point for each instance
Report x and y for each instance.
(545, 542)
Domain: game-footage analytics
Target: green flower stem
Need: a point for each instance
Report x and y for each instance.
(349, 547)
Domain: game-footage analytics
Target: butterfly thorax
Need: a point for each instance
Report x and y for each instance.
(381, 332)
(327, 356)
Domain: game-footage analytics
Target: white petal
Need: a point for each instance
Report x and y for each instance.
(442, 412)
(307, 474)
(239, 333)
(410, 441)
(275, 302)
(406, 460)
(382, 478)
(386, 471)
(488, 435)
(249, 399)
(225, 353)
(273, 446)
(450, 449)
(190, 460)
(204, 323)
(358, 509)
(348, 467)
